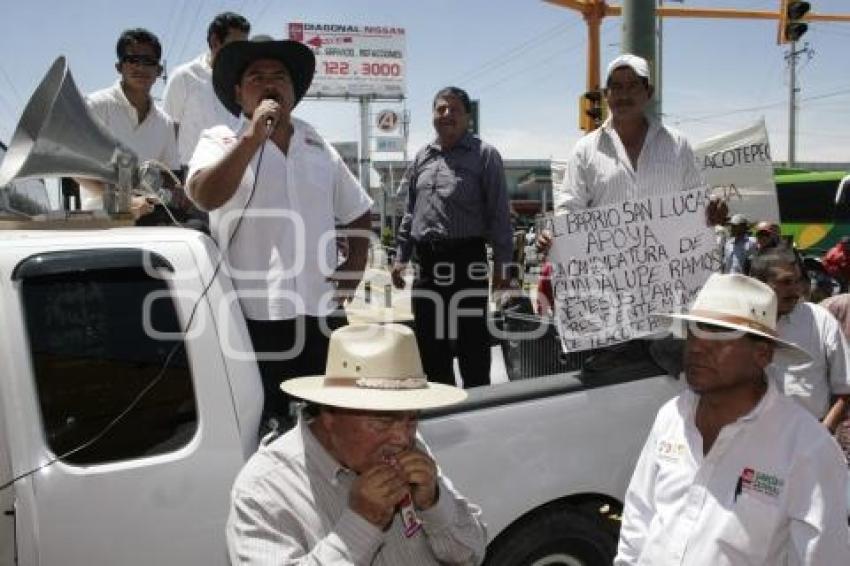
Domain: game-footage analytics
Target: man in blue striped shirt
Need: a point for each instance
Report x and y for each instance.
(457, 202)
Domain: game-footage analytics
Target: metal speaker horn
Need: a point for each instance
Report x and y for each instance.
(57, 136)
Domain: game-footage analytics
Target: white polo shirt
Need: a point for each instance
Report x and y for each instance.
(599, 171)
(153, 138)
(815, 330)
(770, 492)
(191, 102)
(286, 245)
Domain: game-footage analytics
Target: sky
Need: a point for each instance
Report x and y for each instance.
(525, 60)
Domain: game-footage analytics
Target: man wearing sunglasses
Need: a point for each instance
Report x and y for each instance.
(733, 472)
(128, 112)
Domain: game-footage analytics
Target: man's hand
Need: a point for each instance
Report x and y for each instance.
(716, 211)
(544, 241)
(346, 279)
(420, 472)
(375, 493)
(397, 275)
(141, 205)
(265, 110)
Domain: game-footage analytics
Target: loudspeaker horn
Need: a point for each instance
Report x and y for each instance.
(57, 136)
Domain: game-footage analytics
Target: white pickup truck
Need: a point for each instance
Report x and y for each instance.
(107, 459)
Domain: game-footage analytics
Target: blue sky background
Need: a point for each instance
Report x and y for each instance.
(524, 59)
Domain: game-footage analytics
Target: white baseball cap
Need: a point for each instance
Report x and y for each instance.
(638, 64)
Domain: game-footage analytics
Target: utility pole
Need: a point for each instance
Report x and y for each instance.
(793, 91)
(594, 11)
(639, 38)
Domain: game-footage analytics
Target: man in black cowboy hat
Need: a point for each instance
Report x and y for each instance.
(276, 191)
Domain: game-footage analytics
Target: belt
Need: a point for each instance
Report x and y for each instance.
(447, 245)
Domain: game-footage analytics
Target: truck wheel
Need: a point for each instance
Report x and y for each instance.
(565, 536)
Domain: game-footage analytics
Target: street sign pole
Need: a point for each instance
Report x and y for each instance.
(366, 151)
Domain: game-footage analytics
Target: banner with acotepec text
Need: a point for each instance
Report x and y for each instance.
(354, 60)
(737, 166)
(614, 266)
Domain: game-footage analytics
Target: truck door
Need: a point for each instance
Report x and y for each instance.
(136, 423)
(7, 501)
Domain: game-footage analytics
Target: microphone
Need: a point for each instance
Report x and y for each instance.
(270, 120)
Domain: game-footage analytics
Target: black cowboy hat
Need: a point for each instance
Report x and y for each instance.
(235, 57)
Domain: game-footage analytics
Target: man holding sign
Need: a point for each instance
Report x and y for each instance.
(629, 219)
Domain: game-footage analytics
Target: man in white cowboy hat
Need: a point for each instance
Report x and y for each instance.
(353, 483)
(733, 472)
(276, 191)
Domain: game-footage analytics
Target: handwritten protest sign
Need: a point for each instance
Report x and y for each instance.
(615, 265)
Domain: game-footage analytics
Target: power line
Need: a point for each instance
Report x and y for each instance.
(513, 52)
(262, 11)
(172, 19)
(175, 33)
(708, 117)
(20, 99)
(193, 23)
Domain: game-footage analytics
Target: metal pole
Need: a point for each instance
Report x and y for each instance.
(659, 58)
(792, 106)
(365, 149)
(639, 37)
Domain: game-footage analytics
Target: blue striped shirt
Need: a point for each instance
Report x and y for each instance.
(455, 194)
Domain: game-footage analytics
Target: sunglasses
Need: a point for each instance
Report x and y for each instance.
(146, 60)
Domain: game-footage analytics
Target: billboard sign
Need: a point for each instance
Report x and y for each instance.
(354, 60)
(389, 144)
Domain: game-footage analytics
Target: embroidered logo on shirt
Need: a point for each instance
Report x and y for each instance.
(671, 451)
(758, 482)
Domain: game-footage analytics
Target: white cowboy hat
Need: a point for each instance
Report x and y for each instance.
(373, 367)
(741, 303)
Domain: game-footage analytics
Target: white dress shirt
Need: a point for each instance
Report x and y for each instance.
(286, 246)
(770, 492)
(599, 171)
(191, 102)
(290, 506)
(151, 139)
(815, 330)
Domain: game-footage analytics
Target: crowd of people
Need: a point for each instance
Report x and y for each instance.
(735, 470)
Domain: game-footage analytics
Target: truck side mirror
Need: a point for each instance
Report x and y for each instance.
(669, 354)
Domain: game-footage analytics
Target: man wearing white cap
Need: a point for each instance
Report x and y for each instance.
(738, 248)
(631, 154)
(733, 472)
(353, 483)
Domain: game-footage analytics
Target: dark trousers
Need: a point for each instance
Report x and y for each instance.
(445, 328)
(280, 339)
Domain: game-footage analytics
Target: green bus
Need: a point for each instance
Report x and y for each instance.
(814, 207)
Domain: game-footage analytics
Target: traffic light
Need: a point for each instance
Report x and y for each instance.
(791, 24)
(592, 110)
(473, 126)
